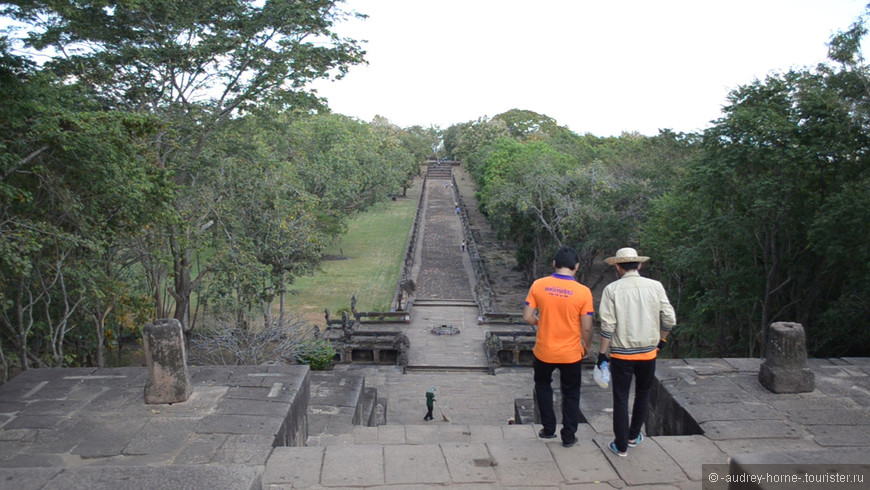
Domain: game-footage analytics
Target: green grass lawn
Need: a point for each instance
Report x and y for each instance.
(375, 249)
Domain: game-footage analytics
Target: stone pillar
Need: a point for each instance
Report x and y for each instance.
(785, 368)
(166, 359)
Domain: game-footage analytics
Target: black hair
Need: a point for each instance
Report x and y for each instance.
(567, 257)
(629, 266)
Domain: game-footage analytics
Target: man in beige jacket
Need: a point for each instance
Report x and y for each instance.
(636, 318)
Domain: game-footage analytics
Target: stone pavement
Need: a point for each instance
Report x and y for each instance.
(462, 350)
(90, 428)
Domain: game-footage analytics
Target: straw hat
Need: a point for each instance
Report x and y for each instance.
(625, 255)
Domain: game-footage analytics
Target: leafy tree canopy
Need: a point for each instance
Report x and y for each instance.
(160, 54)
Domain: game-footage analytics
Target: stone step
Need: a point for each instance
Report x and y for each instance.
(434, 432)
(439, 454)
(337, 403)
(438, 432)
(370, 407)
(446, 369)
(445, 302)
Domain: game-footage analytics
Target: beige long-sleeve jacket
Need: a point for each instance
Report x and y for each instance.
(633, 312)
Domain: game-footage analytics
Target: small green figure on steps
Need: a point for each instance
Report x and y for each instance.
(430, 403)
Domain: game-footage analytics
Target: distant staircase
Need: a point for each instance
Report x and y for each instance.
(445, 302)
(446, 369)
(434, 171)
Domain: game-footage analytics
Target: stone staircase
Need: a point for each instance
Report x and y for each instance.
(340, 402)
(350, 444)
(446, 369)
(445, 302)
(439, 172)
(442, 455)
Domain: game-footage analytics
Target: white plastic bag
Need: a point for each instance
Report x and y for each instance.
(602, 374)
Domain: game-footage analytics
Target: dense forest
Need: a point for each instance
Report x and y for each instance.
(167, 160)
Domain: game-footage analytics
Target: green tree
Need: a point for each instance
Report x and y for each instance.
(466, 141)
(77, 182)
(423, 143)
(524, 195)
(339, 161)
(262, 229)
(736, 230)
(525, 125)
(543, 185)
(194, 66)
(280, 188)
(400, 150)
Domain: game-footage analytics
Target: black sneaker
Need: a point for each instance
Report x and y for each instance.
(569, 443)
(544, 435)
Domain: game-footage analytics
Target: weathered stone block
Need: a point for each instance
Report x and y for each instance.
(166, 358)
(785, 368)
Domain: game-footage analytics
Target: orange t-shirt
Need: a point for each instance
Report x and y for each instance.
(561, 302)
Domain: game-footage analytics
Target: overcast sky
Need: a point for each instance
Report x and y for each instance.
(599, 67)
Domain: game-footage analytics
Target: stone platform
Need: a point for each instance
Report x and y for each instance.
(90, 428)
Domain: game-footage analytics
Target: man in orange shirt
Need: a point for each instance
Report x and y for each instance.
(564, 322)
(636, 318)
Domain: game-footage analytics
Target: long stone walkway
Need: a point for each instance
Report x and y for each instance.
(442, 271)
(444, 298)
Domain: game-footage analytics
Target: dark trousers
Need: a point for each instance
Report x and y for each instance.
(621, 372)
(569, 378)
(429, 413)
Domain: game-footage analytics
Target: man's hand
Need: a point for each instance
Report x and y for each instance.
(601, 358)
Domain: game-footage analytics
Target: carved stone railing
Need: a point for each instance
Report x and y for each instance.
(408, 264)
(509, 346)
(360, 343)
